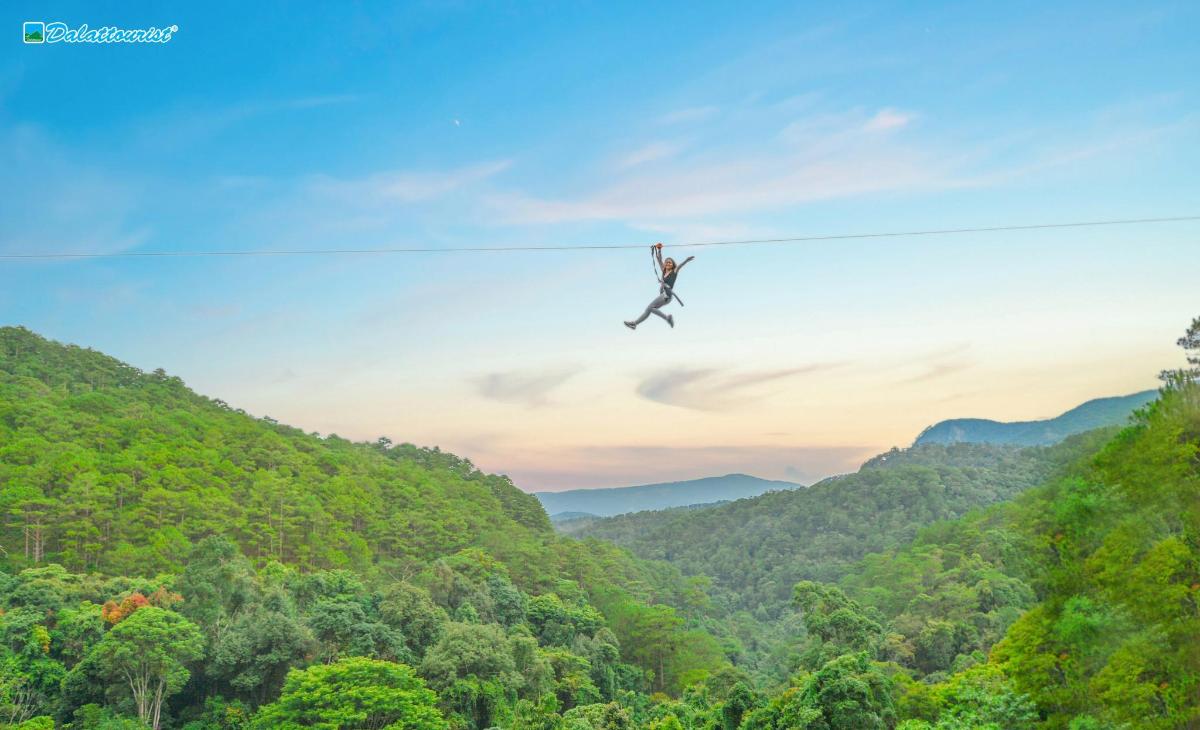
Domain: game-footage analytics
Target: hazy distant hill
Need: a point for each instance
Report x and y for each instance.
(568, 516)
(1093, 414)
(569, 523)
(618, 500)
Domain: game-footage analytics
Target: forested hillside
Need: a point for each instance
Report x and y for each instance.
(1073, 605)
(124, 490)
(115, 470)
(757, 549)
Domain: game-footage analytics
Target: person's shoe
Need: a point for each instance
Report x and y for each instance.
(631, 325)
(671, 320)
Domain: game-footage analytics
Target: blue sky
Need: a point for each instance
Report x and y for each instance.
(264, 126)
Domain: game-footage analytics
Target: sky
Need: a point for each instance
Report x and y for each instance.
(275, 126)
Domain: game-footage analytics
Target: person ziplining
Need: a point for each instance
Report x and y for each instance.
(665, 271)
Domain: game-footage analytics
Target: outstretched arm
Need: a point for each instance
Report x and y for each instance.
(685, 261)
(656, 257)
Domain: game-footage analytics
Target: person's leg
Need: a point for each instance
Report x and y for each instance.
(652, 308)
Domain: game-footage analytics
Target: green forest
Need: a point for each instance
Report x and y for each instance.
(168, 561)
(759, 548)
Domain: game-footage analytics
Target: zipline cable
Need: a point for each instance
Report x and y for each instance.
(594, 247)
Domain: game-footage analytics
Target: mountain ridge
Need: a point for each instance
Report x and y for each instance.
(611, 501)
(1091, 414)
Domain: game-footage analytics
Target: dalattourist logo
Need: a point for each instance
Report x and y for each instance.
(34, 32)
(58, 32)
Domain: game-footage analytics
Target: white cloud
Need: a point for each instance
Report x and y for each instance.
(697, 232)
(404, 186)
(182, 126)
(936, 371)
(736, 185)
(713, 390)
(524, 388)
(886, 119)
(53, 201)
(772, 159)
(649, 153)
(767, 163)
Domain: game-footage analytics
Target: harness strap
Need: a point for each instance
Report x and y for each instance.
(663, 289)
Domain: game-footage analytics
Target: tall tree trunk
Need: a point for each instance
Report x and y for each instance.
(158, 700)
(38, 543)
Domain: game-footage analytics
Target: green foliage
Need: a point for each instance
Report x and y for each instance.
(286, 547)
(257, 625)
(559, 623)
(1121, 556)
(1075, 605)
(1190, 342)
(95, 717)
(149, 651)
(221, 714)
(353, 694)
(1084, 591)
(850, 692)
(656, 637)
(982, 696)
(610, 716)
(465, 650)
(29, 673)
(840, 625)
(121, 471)
(757, 549)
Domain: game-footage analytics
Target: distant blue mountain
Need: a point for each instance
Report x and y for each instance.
(618, 500)
(1093, 414)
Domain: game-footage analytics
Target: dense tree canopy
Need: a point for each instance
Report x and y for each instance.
(168, 562)
(272, 549)
(757, 549)
(353, 694)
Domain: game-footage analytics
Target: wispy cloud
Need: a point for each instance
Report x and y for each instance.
(396, 205)
(185, 125)
(406, 186)
(769, 158)
(715, 390)
(649, 153)
(930, 365)
(726, 188)
(524, 388)
(53, 201)
(697, 232)
(886, 119)
(935, 371)
(818, 157)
